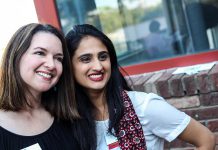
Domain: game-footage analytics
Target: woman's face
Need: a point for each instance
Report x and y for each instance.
(91, 64)
(41, 64)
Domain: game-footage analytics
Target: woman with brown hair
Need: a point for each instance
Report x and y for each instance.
(37, 104)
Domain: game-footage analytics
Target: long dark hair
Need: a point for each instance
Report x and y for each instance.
(13, 90)
(114, 87)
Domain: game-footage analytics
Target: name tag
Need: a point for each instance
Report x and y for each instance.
(33, 147)
(113, 146)
(112, 142)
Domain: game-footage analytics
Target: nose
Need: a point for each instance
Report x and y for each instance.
(97, 65)
(50, 64)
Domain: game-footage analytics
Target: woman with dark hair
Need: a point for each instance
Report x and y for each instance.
(37, 103)
(113, 116)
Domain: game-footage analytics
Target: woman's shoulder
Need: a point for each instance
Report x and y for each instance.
(142, 98)
(144, 94)
(158, 116)
(2, 117)
(26, 123)
(5, 116)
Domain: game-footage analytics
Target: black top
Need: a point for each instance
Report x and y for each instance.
(58, 137)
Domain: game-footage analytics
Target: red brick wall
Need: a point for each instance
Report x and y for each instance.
(197, 95)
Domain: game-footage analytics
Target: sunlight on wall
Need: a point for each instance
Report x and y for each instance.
(14, 14)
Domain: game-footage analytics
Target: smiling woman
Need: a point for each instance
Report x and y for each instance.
(39, 74)
(92, 65)
(113, 116)
(36, 109)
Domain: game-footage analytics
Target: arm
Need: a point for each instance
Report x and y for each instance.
(198, 135)
(165, 121)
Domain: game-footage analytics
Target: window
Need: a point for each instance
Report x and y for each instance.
(145, 30)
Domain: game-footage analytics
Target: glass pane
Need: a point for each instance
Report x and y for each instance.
(145, 30)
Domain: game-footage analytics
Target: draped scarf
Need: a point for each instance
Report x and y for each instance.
(130, 134)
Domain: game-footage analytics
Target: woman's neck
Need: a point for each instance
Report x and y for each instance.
(34, 100)
(100, 103)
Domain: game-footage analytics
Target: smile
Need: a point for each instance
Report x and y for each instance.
(96, 77)
(45, 75)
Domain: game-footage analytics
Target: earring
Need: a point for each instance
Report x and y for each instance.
(55, 88)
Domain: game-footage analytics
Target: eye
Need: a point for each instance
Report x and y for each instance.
(85, 59)
(60, 59)
(103, 56)
(41, 53)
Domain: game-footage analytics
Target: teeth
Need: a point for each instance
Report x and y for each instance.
(44, 74)
(96, 76)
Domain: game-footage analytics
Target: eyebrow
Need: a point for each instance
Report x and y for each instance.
(44, 49)
(85, 55)
(59, 54)
(103, 52)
